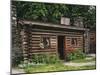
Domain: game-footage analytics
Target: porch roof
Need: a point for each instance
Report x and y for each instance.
(33, 23)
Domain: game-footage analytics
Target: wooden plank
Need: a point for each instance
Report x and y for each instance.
(53, 38)
(35, 39)
(44, 33)
(35, 42)
(44, 53)
(34, 45)
(43, 49)
(35, 36)
(32, 23)
(52, 34)
(53, 43)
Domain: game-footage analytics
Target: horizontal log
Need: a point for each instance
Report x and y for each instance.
(55, 31)
(34, 48)
(35, 36)
(42, 33)
(53, 39)
(34, 45)
(74, 37)
(35, 41)
(42, 51)
(53, 36)
(38, 46)
(53, 45)
(53, 42)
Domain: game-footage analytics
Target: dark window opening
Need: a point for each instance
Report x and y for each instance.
(74, 41)
(45, 42)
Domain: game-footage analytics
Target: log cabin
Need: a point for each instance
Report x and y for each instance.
(41, 37)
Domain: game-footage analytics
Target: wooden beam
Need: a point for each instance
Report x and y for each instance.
(32, 23)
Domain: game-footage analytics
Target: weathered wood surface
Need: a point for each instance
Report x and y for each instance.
(49, 25)
(31, 43)
(31, 46)
(34, 35)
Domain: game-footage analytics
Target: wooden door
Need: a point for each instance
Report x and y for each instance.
(61, 46)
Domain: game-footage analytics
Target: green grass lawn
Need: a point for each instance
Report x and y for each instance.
(84, 60)
(55, 67)
(60, 66)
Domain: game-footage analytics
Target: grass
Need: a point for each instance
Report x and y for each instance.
(60, 66)
(84, 60)
(55, 67)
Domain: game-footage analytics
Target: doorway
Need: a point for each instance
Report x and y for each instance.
(61, 43)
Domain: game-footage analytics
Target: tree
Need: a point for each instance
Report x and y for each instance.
(48, 12)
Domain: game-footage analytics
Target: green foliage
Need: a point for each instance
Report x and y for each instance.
(75, 54)
(56, 67)
(53, 59)
(45, 59)
(48, 12)
(17, 57)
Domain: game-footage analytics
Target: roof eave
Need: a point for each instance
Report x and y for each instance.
(24, 22)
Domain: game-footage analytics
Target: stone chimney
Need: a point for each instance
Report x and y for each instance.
(65, 21)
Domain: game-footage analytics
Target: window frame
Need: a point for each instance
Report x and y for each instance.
(41, 42)
(74, 41)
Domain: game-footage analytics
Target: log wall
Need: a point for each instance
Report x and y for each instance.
(68, 42)
(79, 41)
(31, 42)
(35, 43)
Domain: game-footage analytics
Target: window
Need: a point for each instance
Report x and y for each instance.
(45, 42)
(74, 41)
